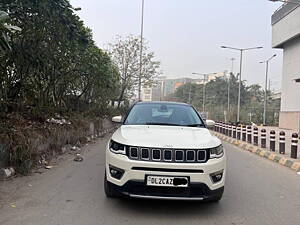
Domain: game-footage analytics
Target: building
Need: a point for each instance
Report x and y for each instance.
(164, 87)
(154, 93)
(286, 36)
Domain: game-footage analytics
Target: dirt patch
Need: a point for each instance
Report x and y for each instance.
(26, 144)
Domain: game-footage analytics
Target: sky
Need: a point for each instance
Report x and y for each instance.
(186, 35)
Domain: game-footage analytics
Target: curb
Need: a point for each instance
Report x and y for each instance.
(264, 153)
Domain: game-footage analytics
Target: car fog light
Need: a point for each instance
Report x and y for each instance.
(216, 177)
(115, 172)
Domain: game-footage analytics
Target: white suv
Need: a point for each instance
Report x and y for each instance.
(163, 150)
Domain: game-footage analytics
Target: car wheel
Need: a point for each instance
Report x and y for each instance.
(107, 189)
(216, 199)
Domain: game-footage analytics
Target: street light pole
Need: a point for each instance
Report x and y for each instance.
(240, 84)
(228, 100)
(240, 77)
(204, 91)
(190, 92)
(266, 87)
(141, 52)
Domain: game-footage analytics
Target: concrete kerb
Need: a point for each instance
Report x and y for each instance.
(274, 157)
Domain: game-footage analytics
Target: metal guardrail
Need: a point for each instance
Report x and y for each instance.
(283, 11)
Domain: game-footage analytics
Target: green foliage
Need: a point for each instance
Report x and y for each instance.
(51, 61)
(216, 100)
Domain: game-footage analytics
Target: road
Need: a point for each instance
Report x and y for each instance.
(258, 192)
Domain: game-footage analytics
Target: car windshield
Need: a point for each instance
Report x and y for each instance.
(164, 114)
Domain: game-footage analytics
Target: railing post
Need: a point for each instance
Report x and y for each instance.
(249, 134)
(263, 138)
(227, 129)
(272, 140)
(255, 136)
(294, 147)
(244, 134)
(282, 142)
(234, 131)
(230, 130)
(239, 132)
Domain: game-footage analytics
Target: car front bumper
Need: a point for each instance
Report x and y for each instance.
(132, 183)
(138, 189)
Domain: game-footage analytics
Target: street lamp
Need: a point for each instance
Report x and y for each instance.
(141, 52)
(266, 87)
(240, 77)
(204, 86)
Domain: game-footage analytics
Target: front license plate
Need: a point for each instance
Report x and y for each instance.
(167, 181)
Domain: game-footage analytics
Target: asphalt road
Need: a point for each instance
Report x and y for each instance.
(257, 192)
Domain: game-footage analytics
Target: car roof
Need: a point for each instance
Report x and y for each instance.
(163, 102)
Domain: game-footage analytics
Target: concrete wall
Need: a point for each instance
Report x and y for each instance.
(290, 120)
(290, 98)
(52, 140)
(290, 101)
(286, 35)
(286, 28)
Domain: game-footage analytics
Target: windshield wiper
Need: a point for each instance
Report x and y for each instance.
(163, 124)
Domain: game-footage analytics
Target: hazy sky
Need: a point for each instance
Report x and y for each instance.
(186, 35)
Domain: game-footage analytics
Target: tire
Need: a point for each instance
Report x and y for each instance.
(107, 189)
(216, 199)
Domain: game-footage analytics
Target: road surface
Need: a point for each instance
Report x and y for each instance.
(258, 192)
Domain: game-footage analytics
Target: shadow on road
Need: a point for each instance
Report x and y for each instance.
(163, 207)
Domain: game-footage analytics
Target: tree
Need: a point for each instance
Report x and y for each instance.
(252, 99)
(52, 62)
(125, 53)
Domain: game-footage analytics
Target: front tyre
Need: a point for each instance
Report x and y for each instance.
(107, 189)
(217, 197)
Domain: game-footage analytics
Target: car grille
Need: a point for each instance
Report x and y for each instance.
(167, 155)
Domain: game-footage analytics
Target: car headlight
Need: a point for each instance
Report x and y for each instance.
(217, 152)
(117, 148)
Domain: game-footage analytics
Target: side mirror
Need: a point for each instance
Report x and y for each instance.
(117, 119)
(210, 123)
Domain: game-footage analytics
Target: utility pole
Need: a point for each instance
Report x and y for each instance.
(231, 72)
(204, 86)
(240, 77)
(266, 87)
(141, 52)
(190, 92)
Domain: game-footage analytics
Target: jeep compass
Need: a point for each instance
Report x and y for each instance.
(163, 150)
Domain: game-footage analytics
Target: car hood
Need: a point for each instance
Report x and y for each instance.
(165, 137)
